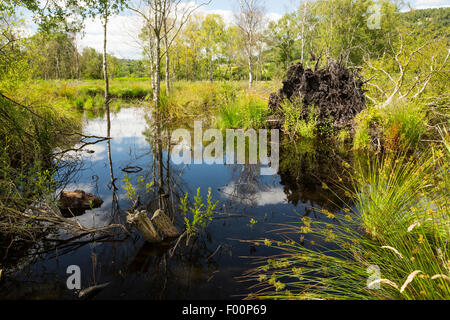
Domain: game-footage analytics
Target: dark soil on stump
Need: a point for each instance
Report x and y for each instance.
(335, 91)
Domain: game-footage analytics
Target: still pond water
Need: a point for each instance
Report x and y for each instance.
(211, 266)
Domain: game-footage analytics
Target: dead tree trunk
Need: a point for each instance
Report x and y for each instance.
(156, 229)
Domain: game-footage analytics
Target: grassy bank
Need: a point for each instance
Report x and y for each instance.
(32, 125)
(391, 242)
(228, 104)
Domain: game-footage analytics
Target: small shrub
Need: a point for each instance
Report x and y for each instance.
(79, 103)
(294, 125)
(199, 214)
(364, 121)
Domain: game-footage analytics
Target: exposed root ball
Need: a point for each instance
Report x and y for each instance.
(335, 91)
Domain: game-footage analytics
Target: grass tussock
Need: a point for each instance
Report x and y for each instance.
(400, 125)
(391, 243)
(227, 105)
(89, 94)
(244, 111)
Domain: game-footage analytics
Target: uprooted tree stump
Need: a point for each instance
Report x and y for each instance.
(156, 229)
(334, 91)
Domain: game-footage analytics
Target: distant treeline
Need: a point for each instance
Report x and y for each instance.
(209, 49)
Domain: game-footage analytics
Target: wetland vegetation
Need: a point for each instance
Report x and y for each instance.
(359, 207)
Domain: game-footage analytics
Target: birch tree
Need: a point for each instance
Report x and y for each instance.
(163, 19)
(104, 9)
(250, 21)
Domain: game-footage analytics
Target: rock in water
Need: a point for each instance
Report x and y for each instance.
(335, 91)
(77, 202)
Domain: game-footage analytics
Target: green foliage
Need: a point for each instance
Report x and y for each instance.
(199, 214)
(132, 191)
(343, 136)
(243, 112)
(282, 38)
(428, 22)
(411, 120)
(366, 121)
(294, 124)
(399, 125)
(89, 103)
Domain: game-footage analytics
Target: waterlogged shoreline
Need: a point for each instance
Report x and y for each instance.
(249, 205)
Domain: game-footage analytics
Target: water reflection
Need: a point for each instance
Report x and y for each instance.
(207, 267)
(313, 172)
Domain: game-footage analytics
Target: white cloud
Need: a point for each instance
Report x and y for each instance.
(423, 4)
(86, 187)
(123, 32)
(122, 36)
(128, 123)
(265, 197)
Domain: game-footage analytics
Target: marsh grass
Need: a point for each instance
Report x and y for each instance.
(400, 125)
(390, 243)
(244, 111)
(88, 95)
(224, 105)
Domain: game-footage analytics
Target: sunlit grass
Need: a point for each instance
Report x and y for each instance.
(245, 111)
(391, 243)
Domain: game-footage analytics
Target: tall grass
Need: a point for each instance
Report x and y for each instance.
(29, 132)
(405, 123)
(399, 125)
(244, 111)
(88, 95)
(391, 243)
(225, 105)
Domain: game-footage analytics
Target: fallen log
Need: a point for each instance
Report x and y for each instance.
(154, 230)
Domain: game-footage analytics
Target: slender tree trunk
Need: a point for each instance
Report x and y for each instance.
(250, 62)
(152, 59)
(331, 28)
(105, 63)
(159, 161)
(250, 75)
(303, 32)
(250, 71)
(166, 44)
(58, 73)
(157, 72)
